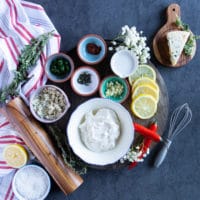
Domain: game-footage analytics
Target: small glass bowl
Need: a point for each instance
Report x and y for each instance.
(112, 80)
(89, 58)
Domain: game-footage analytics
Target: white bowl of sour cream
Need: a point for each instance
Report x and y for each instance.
(100, 131)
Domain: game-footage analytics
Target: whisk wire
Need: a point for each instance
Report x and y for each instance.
(180, 118)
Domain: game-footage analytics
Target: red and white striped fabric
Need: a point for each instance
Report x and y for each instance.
(20, 21)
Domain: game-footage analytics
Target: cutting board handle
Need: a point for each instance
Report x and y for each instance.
(173, 11)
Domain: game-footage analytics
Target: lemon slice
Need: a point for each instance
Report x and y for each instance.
(142, 71)
(146, 89)
(15, 155)
(144, 81)
(144, 106)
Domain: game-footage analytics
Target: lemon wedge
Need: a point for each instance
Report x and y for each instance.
(142, 71)
(146, 89)
(15, 155)
(144, 81)
(144, 106)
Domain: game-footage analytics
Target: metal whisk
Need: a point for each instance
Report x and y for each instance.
(180, 118)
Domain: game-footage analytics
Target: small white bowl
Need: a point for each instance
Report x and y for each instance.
(123, 143)
(22, 180)
(123, 63)
(43, 119)
(82, 89)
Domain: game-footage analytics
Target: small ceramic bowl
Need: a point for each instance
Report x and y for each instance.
(114, 88)
(123, 63)
(53, 67)
(94, 53)
(31, 182)
(44, 104)
(85, 81)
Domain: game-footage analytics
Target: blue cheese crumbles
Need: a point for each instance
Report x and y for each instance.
(49, 104)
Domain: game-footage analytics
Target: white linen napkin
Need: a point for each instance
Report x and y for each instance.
(20, 21)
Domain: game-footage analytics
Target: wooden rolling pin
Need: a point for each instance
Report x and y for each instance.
(37, 139)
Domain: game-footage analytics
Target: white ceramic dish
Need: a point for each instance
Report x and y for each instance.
(85, 90)
(123, 63)
(123, 143)
(22, 178)
(44, 120)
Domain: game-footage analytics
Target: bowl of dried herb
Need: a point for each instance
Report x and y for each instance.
(85, 81)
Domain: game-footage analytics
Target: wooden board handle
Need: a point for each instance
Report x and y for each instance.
(37, 139)
(173, 11)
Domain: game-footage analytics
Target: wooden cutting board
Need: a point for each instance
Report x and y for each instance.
(104, 70)
(160, 46)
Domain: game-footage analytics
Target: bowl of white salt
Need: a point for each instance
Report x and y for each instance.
(31, 182)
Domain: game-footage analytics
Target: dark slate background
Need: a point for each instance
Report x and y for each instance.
(179, 176)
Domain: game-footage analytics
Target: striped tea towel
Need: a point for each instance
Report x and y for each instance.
(20, 21)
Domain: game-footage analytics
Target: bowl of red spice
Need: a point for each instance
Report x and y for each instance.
(85, 81)
(59, 67)
(92, 49)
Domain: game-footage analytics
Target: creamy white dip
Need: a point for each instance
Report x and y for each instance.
(100, 130)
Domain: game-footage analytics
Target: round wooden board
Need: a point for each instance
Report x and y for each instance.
(104, 70)
(160, 46)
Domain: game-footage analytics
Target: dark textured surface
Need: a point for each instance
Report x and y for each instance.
(178, 178)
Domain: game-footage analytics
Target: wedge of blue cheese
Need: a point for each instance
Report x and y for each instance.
(176, 42)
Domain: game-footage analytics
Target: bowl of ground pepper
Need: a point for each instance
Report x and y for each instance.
(59, 67)
(91, 49)
(85, 81)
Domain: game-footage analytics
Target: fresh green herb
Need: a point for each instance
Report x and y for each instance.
(189, 46)
(84, 78)
(182, 25)
(68, 156)
(27, 59)
(60, 67)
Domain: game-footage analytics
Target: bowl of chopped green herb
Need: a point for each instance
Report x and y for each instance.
(59, 67)
(114, 88)
(85, 81)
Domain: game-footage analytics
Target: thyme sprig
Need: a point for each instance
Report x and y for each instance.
(69, 157)
(189, 46)
(27, 59)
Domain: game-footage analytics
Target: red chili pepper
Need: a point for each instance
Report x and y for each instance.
(153, 135)
(148, 141)
(147, 144)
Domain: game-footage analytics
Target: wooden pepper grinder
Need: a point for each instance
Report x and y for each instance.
(37, 139)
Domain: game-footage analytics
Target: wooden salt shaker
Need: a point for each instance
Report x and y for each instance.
(37, 139)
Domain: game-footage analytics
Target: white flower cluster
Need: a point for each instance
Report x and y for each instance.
(131, 40)
(134, 154)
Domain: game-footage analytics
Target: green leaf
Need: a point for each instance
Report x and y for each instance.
(27, 59)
